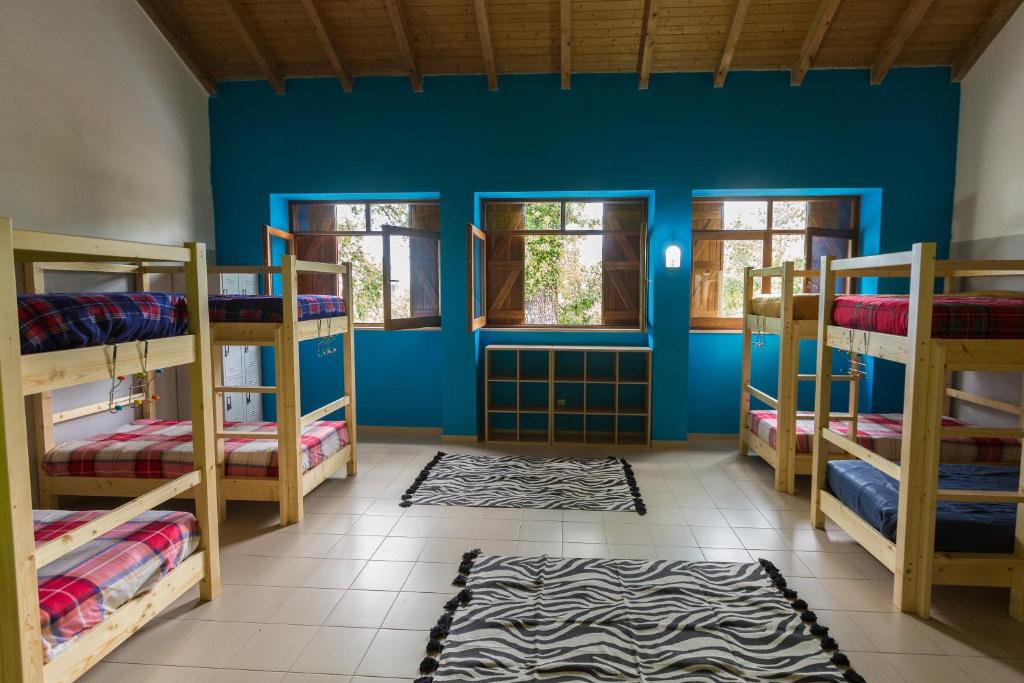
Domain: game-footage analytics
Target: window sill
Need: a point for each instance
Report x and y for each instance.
(539, 328)
(724, 331)
(380, 328)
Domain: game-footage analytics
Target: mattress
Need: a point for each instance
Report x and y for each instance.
(82, 588)
(959, 527)
(805, 306)
(882, 433)
(960, 316)
(162, 449)
(259, 308)
(55, 322)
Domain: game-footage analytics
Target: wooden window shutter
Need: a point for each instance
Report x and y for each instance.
(707, 261)
(320, 248)
(506, 264)
(624, 271)
(476, 295)
(425, 217)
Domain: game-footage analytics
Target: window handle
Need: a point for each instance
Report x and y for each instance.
(229, 403)
(227, 350)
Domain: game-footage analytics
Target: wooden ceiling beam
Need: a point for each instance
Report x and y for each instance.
(739, 15)
(1001, 14)
(565, 53)
(646, 56)
(316, 16)
(173, 34)
(258, 50)
(484, 26)
(819, 27)
(894, 45)
(401, 26)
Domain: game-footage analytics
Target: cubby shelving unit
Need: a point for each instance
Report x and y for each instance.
(568, 394)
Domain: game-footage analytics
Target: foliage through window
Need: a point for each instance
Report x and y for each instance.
(394, 251)
(732, 234)
(566, 263)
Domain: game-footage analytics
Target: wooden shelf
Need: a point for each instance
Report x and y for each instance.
(599, 376)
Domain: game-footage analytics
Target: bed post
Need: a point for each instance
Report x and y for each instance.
(349, 349)
(745, 361)
(823, 392)
(785, 453)
(144, 283)
(41, 406)
(21, 656)
(201, 412)
(920, 443)
(217, 370)
(289, 417)
(1017, 582)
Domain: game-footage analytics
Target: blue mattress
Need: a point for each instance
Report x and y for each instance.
(959, 527)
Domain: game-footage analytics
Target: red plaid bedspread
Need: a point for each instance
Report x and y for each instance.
(953, 317)
(82, 588)
(162, 449)
(882, 434)
(261, 308)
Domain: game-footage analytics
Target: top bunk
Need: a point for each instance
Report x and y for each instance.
(74, 338)
(978, 330)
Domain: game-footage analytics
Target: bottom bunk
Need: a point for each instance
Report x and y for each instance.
(881, 433)
(960, 527)
(83, 588)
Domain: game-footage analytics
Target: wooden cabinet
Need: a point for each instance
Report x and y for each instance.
(567, 394)
(241, 363)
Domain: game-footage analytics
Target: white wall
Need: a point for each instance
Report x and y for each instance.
(988, 214)
(989, 200)
(103, 130)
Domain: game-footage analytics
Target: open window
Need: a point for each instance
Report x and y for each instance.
(577, 263)
(476, 251)
(394, 249)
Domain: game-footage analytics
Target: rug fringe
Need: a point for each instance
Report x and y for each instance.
(420, 478)
(638, 500)
(827, 643)
(435, 646)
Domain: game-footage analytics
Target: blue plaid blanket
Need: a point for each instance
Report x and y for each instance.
(252, 308)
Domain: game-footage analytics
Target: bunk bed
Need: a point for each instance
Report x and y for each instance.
(928, 523)
(75, 585)
(783, 436)
(260, 461)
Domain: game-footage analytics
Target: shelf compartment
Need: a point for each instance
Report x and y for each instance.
(568, 429)
(502, 396)
(534, 427)
(502, 364)
(533, 366)
(600, 429)
(569, 396)
(600, 366)
(632, 399)
(569, 366)
(633, 366)
(600, 398)
(533, 397)
(501, 427)
(631, 430)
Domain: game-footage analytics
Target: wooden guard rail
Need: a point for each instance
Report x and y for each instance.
(79, 536)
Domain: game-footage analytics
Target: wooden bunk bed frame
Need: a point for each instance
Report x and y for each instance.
(292, 483)
(35, 375)
(783, 457)
(929, 361)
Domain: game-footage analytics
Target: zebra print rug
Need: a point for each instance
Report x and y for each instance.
(520, 619)
(526, 482)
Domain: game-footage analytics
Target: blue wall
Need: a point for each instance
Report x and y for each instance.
(679, 137)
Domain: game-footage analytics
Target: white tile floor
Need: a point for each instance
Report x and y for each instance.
(348, 595)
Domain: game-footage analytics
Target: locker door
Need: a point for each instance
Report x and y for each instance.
(248, 283)
(252, 377)
(229, 284)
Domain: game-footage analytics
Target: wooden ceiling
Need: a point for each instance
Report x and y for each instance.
(278, 39)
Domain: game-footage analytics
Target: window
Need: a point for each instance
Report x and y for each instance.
(732, 234)
(394, 251)
(558, 263)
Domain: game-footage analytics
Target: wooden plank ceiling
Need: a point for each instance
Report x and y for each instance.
(278, 39)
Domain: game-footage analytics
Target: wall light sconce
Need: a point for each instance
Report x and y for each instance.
(673, 256)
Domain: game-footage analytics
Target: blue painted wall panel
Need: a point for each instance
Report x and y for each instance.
(456, 139)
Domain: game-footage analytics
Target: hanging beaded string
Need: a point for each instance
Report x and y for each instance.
(857, 368)
(325, 345)
(758, 339)
(140, 383)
